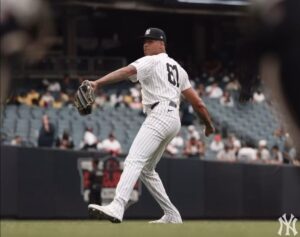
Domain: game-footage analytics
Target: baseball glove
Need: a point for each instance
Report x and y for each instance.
(84, 98)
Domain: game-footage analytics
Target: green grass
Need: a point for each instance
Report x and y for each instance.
(12, 228)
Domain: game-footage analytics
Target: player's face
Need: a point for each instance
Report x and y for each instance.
(152, 47)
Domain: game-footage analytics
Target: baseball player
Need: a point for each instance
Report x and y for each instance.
(162, 81)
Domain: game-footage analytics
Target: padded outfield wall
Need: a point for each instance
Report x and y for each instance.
(49, 183)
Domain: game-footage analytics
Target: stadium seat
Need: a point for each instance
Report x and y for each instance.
(37, 112)
(24, 111)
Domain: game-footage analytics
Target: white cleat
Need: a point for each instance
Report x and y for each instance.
(166, 219)
(103, 212)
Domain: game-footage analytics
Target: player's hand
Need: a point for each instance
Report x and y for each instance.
(93, 84)
(209, 129)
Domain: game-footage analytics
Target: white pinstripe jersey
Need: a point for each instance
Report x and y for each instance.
(161, 78)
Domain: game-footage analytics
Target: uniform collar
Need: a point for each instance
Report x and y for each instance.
(163, 54)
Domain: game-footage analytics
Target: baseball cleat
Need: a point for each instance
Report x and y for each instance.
(168, 220)
(102, 212)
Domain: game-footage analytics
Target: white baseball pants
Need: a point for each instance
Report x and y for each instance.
(160, 127)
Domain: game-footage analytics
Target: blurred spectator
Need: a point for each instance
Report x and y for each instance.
(226, 154)
(188, 116)
(136, 104)
(57, 103)
(233, 85)
(46, 133)
(214, 91)
(204, 76)
(263, 152)
(193, 84)
(70, 102)
(225, 77)
(226, 100)
(194, 148)
(200, 89)
(16, 141)
(120, 99)
(217, 144)
(21, 98)
(113, 99)
(192, 132)
(101, 99)
(236, 146)
(32, 98)
(136, 91)
(276, 155)
(44, 84)
(54, 87)
(46, 100)
(61, 99)
(175, 145)
(89, 141)
(279, 132)
(233, 141)
(13, 100)
(111, 145)
(64, 97)
(116, 99)
(258, 97)
(197, 79)
(127, 99)
(65, 141)
(247, 153)
(289, 151)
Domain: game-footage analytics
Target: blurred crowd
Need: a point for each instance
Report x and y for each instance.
(231, 149)
(58, 94)
(213, 83)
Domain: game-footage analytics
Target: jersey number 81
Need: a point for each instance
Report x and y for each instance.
(172, 74)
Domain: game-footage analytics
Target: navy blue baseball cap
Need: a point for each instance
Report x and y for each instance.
(156, 34)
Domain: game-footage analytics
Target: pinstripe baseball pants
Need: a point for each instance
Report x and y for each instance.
(159, 128)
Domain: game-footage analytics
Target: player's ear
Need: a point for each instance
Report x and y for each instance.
(162, 45)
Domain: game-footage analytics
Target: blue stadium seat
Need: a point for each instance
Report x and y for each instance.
(37, 112)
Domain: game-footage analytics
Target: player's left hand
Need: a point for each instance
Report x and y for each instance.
(209, 129)
(93, 84)
(84, 98)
